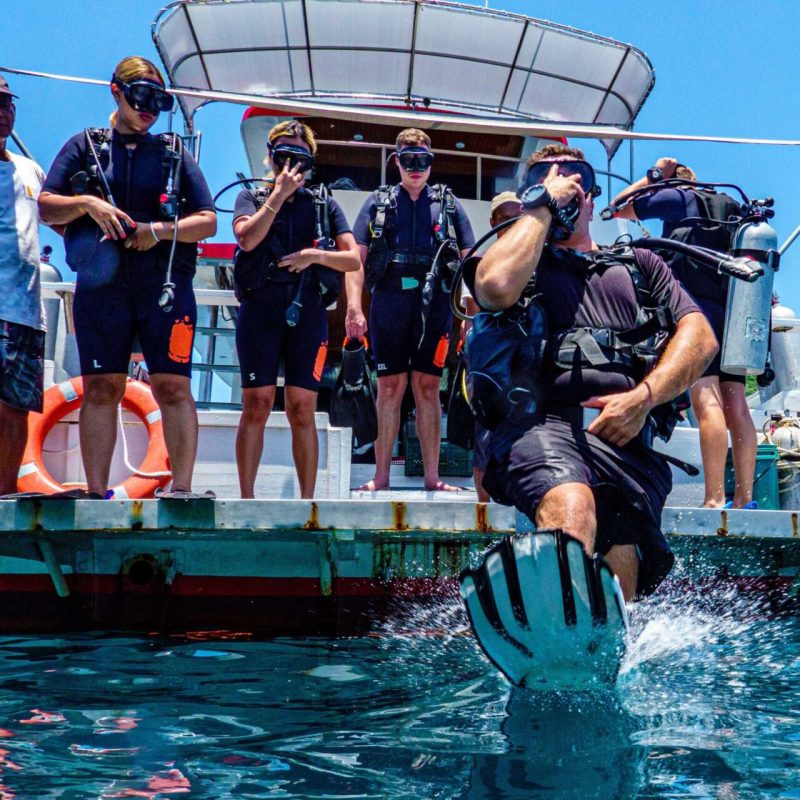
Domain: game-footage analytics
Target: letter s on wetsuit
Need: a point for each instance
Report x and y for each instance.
(532, 456)
(396, 308)
(117, 289)
(262, 336)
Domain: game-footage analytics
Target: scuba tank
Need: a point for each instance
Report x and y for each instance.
(746, 336)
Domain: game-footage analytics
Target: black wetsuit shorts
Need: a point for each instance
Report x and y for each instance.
(264, 339)
(399, 343)
(110, 314)
(630, 485)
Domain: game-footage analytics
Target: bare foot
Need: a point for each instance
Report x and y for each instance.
(441, 486)
(373, 486)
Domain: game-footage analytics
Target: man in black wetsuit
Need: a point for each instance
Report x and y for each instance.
(599, 483)
(718, 398)
(400, 344)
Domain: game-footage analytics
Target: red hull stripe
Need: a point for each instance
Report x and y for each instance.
(212, 586)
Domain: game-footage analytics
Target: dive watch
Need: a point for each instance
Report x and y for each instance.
(654, 175)
(537, 196)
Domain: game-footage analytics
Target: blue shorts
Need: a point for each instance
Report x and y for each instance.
(715, 314)
(21, 366)
(395, 321)
(109, 316)
(630, 485)
(263, 339)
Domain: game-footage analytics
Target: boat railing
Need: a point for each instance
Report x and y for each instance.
(220, 363)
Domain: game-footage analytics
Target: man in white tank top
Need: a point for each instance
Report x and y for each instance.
(21, 322)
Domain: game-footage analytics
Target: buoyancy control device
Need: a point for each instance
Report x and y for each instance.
(753, 260)
(252, 269)
(92, 180)
(380, 252)
(506, 349)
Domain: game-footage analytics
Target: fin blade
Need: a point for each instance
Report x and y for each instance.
(546, 614)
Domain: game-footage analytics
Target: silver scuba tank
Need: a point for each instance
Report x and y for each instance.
(747, 317)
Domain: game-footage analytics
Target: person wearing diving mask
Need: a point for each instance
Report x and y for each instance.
(695, 214)
(598, 482)
(406, 235)
(109, 188)
(284, 263)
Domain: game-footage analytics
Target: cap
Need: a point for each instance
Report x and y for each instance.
(502, 199)
(4, 87)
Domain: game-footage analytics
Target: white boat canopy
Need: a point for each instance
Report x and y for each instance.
(410, 56)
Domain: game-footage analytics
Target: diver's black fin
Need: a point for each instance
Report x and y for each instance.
(460, 417)
(547, 615)
(353, 401)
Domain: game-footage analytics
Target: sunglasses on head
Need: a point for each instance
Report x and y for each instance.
(287, 153)
(538, 172)
(146, 96)
(416, 160)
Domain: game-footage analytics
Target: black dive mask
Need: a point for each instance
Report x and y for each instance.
(146, 96)
(583, 169)
(287, 153)
(415, 159)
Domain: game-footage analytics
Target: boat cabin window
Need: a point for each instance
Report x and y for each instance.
(475, 166)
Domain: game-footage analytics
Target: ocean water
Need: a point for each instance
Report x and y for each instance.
(707, 706)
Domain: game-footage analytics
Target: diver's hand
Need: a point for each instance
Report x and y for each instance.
(302, 259)
(622, 416)
(107, 216)
(355, 323)
(562, 188)
(667, 166)
(287, 183)
(141, 239)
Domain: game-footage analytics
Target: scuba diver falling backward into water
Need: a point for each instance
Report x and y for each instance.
(607, 329)
(134, 205)
(407, 235)
(294, 244)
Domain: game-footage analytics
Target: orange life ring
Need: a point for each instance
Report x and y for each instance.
(60, 400)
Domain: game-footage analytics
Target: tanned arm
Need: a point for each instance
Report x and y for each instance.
(355, 323)
(667, 167)
(509, 263)
(688, 353)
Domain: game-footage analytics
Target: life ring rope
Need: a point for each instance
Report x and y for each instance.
(151, 418)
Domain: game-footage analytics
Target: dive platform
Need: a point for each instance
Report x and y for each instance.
(328, 567)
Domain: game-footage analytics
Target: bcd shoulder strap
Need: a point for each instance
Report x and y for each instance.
(170, 145)
(385, 203)
(599, 346)
(321, 196)
(444, 228)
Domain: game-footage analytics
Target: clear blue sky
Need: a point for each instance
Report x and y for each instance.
(724, 68)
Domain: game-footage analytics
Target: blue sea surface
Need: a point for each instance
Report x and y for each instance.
(707, 706)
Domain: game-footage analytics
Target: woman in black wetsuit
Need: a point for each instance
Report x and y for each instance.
(285, 279)
(120, 251)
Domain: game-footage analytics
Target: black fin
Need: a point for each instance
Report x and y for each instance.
(353, 401)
